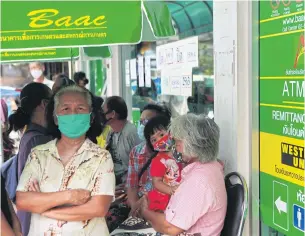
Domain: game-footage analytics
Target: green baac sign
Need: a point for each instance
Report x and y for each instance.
(37, 24)
(53, 24)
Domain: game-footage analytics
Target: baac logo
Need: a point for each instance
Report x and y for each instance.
(49, 17)
(300, 52)
(276, 3)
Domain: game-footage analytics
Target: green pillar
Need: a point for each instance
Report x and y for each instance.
(92, 69)
(97, 79)
(100, 80)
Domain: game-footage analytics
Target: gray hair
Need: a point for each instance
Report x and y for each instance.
(199, 134)
(72, 89)
(37, 63)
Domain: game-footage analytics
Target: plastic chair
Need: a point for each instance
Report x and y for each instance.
(237, 208)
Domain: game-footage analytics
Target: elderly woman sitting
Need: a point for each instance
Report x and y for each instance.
(199, 205)
(68, 184)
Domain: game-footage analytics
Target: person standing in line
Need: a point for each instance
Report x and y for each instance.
(37, 70)
(34, 98)
(123, 137)
(8, 144)
(68, 183)
(102, 138)
(61, 80)
(80, 79)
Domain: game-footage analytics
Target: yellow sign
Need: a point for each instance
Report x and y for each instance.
(282, 157)
(46, 17)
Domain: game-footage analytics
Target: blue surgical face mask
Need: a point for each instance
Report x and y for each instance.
(74, 125)
(141, 126)
(141, 131)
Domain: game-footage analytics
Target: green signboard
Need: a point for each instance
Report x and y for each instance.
(35, 24)
(282, 117)
(41, 24)
(54, 54)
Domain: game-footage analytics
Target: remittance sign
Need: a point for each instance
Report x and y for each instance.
(282, 117)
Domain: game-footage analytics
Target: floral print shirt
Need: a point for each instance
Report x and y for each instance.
(90, 168)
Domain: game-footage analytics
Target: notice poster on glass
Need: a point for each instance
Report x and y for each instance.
(147, 72)
(186, 81)
(141, 71)
(175, 85)
(127, 73)
(183, 53)
(165, 87)
(133, 69)
(177, 82)
(181, 81)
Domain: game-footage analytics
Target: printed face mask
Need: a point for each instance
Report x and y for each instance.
(75, 125)
(164, 144)
(36, 73)
(177, 155)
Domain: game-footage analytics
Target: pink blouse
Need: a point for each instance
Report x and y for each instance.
(199, 205)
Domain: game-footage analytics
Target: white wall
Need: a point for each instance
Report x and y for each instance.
(233, 95)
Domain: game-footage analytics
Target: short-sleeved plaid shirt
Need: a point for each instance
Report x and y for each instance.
(138, 157)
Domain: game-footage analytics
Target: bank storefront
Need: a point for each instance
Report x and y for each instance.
(177, 71)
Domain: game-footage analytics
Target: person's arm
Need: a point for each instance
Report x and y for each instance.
(97, 206)
(161, 186)
(6, 229)
(37, 202)
(132, 196)
(15, 220)
(102, 195)
(158, 220)
(132, 181)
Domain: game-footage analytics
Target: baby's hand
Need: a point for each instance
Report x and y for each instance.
(174, 188)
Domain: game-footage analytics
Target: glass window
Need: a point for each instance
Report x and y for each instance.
(202, 99)
(190, 18)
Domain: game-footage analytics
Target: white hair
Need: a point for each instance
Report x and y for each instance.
(72, 89)
(199, 134)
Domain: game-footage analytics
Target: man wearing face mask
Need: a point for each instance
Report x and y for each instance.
(123, 137)
(37, 69)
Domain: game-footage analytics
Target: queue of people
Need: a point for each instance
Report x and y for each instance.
(84, 169)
